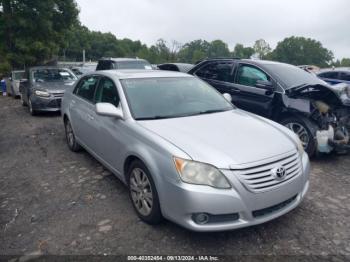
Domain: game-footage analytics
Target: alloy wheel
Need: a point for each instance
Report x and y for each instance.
(141, 191)
(301, 132)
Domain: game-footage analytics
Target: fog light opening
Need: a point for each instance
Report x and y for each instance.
(201, 218)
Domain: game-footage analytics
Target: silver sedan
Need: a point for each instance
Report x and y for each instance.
(184, 151)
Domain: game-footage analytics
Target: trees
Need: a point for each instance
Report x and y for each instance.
(242, 52)
(35, 30)
(262, 48)
(300, 50)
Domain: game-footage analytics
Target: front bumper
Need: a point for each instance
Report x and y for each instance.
(232, 208)
(49, 104)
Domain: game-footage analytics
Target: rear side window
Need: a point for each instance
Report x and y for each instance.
(330, 75)
(345, 76)
(86, 88)
(249, 75)
(220, 71)
(107, 92)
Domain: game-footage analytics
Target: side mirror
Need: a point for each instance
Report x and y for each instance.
(264, 84)
(228, 97)
(107, 109)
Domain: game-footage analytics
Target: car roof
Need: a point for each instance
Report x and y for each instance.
(337, 69)
(130, 74)
(48, 67)
(252, 61)
(121, 59)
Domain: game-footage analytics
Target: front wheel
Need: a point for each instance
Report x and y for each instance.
(304, 131)
(143, 193)
(30, 106)
(70, 137)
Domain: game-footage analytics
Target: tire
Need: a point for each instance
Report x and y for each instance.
(22, 100)
(305, 130)
(30, 107)
(143, 194)
(70, 137)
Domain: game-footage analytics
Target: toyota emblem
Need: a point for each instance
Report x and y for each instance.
(279, 172)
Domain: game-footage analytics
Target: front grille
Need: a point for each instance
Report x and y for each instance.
(54, 103)
(260, 178)
(272, 209)
(58, 95)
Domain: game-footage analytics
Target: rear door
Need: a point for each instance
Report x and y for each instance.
(83, 113)
(250, 97)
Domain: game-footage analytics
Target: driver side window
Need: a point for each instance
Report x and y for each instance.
(107, 92)
(249, 75)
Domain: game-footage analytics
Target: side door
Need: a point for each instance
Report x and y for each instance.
(219, 74)
(83, 114)
(251, 96)
(111, 130)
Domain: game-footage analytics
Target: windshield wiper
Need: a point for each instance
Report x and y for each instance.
(182, 115)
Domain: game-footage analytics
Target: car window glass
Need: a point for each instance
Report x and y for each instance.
(330, 75)
(87, 88)
(220, 71)
(104, 65)
(345, 76)
(249, 75)
(107, 92)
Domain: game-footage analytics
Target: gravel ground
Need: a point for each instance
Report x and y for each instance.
(53, 201)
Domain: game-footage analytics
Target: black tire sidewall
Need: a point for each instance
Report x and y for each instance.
(155, 217)
(75, 147)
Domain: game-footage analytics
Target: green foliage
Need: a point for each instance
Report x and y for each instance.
(242, 52)
(300, 51)
(262, 48)
(34, 30)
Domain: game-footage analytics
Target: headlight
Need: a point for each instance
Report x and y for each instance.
(42, 93)
(200, 174)
(300, 146)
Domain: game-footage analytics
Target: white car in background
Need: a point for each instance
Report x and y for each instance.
(15, 79)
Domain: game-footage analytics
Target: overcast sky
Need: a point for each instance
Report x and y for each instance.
(232, 21)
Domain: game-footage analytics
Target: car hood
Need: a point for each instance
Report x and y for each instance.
(52, 87)
(224, 139)
(323, 92)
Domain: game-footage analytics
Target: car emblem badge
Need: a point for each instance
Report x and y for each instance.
(279, 173)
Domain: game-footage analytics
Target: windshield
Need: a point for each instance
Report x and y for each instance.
(137, 64)
(292, 76)
(52, 74)
(18, 75)
(156, 98)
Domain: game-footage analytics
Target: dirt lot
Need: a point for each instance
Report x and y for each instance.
(53, 201)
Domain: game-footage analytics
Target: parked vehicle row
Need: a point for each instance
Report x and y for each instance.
(180, 144)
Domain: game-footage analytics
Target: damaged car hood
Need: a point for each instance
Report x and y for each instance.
(315, 92)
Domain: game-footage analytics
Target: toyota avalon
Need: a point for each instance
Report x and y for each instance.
(184, 151)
